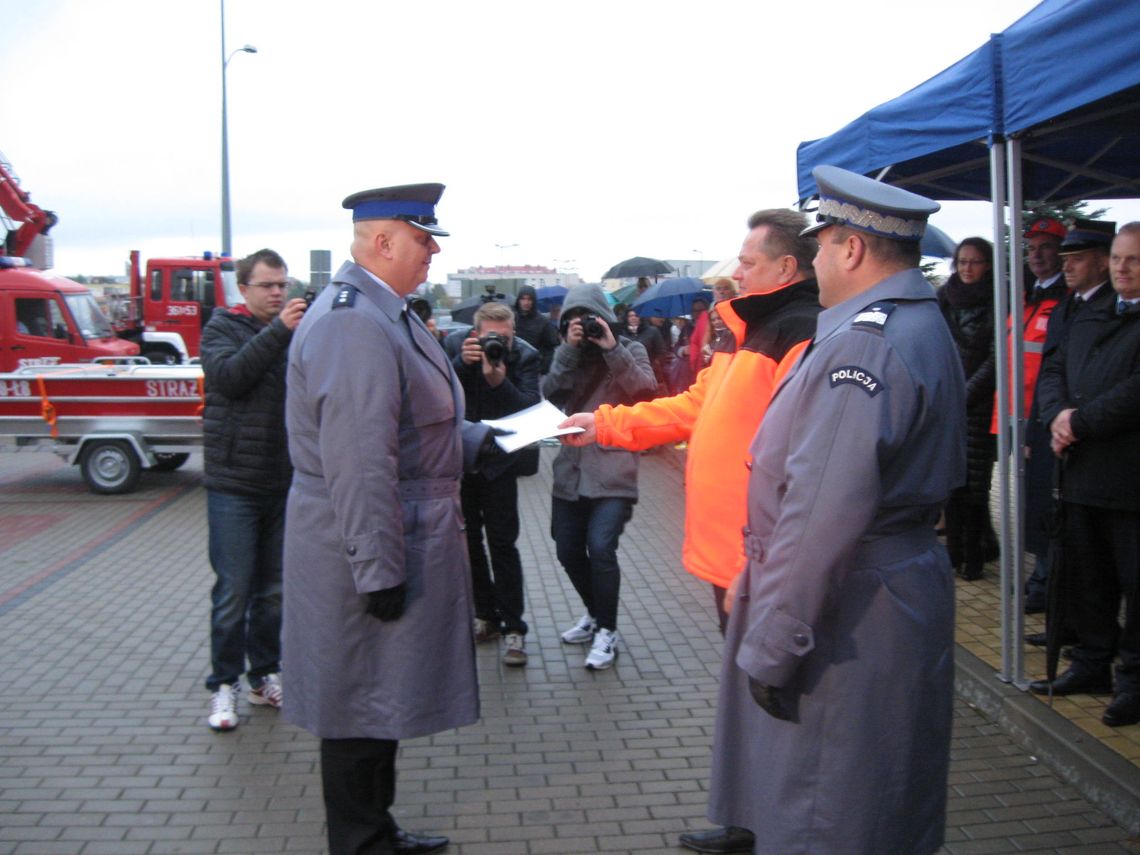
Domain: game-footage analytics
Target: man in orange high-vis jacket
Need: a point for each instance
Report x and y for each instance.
(771, 323)
(1043, 243)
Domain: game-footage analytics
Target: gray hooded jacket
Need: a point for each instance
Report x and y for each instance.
(580, 380)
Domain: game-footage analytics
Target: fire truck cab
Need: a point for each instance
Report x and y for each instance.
(49, 320)
(171, 303)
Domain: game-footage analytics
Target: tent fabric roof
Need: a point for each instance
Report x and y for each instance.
(1065, 78)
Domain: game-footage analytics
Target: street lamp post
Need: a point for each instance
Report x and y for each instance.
(501, 247)
(227, 249)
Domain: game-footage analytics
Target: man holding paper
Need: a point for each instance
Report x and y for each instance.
(499, 375)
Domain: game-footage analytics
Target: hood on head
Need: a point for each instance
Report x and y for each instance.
(527, 290)
(590, 297)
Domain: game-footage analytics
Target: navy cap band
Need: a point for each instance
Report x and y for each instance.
(383, 210)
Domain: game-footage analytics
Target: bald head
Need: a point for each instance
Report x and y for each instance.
(394, 251)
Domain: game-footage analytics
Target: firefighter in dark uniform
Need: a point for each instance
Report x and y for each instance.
(833, 722)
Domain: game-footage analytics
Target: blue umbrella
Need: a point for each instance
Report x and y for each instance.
(671, 298)
(936, 243)
(551, 295)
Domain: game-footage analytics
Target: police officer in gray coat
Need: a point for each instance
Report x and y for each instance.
(833, 722)
(377, 625)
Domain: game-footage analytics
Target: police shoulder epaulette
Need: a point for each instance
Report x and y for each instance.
(874, 317)
(346, 296)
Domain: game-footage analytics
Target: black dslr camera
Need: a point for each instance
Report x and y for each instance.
(592, 326)
(494, 347)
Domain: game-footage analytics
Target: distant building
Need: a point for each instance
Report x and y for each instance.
(505, 279)
(690, 266)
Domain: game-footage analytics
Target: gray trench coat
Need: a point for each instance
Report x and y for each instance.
(847, 600)
(374, 415)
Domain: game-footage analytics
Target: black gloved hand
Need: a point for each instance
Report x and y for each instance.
(772, 699)
(490, 448)
(387, 604)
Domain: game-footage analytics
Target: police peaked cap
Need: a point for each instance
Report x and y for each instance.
(412, 203)
(849, 199)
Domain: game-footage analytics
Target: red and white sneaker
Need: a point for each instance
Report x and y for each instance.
(223, 708)
(268, 693)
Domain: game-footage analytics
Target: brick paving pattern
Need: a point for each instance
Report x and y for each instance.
(104, 749)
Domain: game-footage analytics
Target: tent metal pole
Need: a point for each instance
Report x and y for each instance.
(1012, 593)
(1001, 357)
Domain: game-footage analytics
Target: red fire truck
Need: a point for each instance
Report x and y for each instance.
(169, 305)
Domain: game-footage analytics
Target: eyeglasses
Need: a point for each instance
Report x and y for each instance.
(269, 286)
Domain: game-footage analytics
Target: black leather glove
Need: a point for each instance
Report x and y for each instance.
(772, 699)
(387, 604)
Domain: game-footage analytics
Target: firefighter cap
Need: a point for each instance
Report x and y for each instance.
(1046, 226)
(412, 203)
(849, 199)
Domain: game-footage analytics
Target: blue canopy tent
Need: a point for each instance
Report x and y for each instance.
(1047, 110)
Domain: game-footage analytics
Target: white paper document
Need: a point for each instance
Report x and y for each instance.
(530, 425)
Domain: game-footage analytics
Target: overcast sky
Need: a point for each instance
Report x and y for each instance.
(583, 132)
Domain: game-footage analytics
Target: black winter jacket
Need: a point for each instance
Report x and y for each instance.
(244, 360)
(1096, 369)
(535, 329)
(518, 391)
(969, 314)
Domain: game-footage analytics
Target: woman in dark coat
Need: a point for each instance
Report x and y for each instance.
(967, 304)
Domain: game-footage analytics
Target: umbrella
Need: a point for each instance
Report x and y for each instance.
(464, 313)
(720, 270)
(638, 266)
(671, 297)
(551, 295)
(1060, 589)
(936, 243)
(625, 294)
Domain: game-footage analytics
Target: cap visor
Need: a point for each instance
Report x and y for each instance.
(431, 230)
(817, 227)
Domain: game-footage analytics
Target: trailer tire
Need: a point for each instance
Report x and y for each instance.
(110, 466)
(166, 461)
(161, 356)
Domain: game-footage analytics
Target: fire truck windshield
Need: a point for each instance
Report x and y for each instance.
(230, 287)
(88, 316)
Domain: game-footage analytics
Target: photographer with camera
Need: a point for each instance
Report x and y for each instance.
(595, 487)
(499, 375)
(244, 354)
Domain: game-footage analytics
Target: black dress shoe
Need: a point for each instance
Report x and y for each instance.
(1039, 639)
(1124, 709)
(728, 839)
(407, 843)
(1076, 683)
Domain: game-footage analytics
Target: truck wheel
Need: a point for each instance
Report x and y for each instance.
(161, 356)
(110, 466)
(165, 461)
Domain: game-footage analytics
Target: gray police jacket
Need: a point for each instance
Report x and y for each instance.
(374, 414)
(847, 599)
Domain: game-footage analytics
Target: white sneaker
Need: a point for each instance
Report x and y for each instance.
(582, 632)
(223, 708)
(515, 656)
(268, 693)
(604, 651)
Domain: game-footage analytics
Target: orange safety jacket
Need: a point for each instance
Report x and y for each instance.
(719, 416)
(1039, 305)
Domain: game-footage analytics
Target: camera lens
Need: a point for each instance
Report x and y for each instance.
(592, 328)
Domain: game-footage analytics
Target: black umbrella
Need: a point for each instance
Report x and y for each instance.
(464, 313)
(638, 266)
(1060, 588)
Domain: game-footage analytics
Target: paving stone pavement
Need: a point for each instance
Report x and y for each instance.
(104, 748)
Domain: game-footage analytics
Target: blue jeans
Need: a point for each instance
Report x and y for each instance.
(246, 540)
(586, 534)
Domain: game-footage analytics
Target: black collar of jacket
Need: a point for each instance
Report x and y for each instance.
(753, 308)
